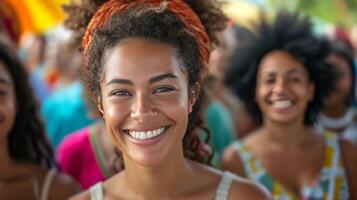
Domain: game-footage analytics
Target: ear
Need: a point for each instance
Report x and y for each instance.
(98, 101)
(193, 95)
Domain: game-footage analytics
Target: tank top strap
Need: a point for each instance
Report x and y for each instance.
(335, 166)
(35, 187)
(96, 192)
(224, 186)
(252, 166)
(47, 184)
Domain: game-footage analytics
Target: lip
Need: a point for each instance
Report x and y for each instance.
(147, 142)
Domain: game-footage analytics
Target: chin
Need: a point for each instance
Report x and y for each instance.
(147, 160)
(283, 120)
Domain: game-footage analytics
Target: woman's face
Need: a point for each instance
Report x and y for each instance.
(343, 85)
(283, 88)
(145, 101)
(7, 102)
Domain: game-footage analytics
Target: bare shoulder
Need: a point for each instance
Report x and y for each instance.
(348, 146)
(63, 187)
(81, 196)
(245, 189)
(349, 152)
(240, 187)
(232, 161)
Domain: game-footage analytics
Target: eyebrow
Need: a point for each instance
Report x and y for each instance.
(152, 80)
(3, 81)
(291, 71)
(162, 77)
(120, 81)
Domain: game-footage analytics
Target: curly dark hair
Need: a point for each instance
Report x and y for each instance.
(27, 139)
(289, 32)
(345, 51)
(156, 25)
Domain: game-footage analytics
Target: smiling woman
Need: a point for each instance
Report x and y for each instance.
(146, 60)
(26, 155)
(284, 63)
(146, 107)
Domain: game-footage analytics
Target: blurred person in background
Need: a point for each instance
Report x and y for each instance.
(89, 151)
(32, 52)
(232, 36)
(88, 155)
(220, 108)
(281, 75)
(224, 114)
(338, 114)
(26, 166)
(65, 110)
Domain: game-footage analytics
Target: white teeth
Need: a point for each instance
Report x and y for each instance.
(142, 135)
(149, 134)
(282, 104)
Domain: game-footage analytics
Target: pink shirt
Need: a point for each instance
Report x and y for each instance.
(76, 157)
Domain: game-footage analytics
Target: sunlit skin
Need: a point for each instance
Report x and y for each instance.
(337, 103)
(147, 90)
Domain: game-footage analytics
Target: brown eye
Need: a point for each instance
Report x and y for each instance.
(269, 81)
(120, 93)
(163, 90)
(3, 93)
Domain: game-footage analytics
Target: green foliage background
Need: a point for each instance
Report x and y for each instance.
(339, 12)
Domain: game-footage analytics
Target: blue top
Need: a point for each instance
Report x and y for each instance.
(64, 112)
(219, 122)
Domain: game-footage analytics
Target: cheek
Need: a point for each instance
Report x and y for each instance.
(260, 95)
(114, 114)
(7, 114)
(345, 85)
(175, 106)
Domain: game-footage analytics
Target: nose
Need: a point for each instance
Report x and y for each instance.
(143, 109)
(279, 86)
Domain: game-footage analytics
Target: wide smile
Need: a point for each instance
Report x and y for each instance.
(282, 104)
(148, 134)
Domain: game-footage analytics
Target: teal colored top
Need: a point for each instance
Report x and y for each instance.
(219, 122)
(64, 112)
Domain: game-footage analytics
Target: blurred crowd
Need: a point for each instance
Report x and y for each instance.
(279, 103)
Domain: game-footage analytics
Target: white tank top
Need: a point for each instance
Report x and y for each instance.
(96, 191)
(44, 192)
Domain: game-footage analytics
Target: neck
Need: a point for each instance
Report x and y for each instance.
(292, 134)
(6, 164)
(335, 111)
(165, 180)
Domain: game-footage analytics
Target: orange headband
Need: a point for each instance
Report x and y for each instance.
(178, 7)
